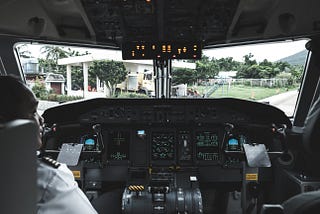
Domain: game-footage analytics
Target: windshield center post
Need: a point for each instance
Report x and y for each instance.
(162, 72)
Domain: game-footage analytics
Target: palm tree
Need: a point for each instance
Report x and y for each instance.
(23, 51)
(54, 53)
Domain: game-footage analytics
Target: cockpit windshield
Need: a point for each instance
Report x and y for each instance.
(270, 73)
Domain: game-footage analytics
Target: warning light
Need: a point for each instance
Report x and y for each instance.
(184, 49)
(174, 56)
(164, 48)
(169, 48)
(194, 56)
(158, 56)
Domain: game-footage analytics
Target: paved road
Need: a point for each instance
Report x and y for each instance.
(285, 101)
(43, 105)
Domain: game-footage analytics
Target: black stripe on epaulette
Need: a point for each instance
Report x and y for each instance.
(51, 162)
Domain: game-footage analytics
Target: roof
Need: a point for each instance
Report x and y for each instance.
(227, 74)
(54, 78)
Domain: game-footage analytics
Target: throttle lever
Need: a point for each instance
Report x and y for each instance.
(97, 130)
(281, 132)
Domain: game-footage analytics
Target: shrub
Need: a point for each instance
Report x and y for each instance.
(63, 98)
(132, 95)
(39, 89)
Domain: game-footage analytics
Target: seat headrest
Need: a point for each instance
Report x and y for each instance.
(311, 130)
(18, 140)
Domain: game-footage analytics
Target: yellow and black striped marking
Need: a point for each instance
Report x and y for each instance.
(136, 188)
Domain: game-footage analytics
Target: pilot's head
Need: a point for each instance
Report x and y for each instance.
(18, 102)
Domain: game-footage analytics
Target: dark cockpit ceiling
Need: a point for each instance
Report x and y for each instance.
(112, 22)
(161, 20)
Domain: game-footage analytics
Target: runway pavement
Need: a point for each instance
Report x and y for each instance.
(285, 101)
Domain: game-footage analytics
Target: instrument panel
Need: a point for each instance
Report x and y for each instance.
(163, 155)
(131, 141)
(174, 135)
(174, 146)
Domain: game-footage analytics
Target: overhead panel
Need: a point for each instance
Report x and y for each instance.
(161, 21)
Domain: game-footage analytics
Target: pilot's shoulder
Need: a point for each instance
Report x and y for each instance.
(50, 162)
(49, 167)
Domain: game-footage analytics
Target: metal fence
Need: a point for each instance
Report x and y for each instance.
(270, 83)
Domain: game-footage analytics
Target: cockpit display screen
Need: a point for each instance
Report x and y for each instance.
(162, 146)
(233, 144)
(89, 142)
(207, 146)
(118, 145)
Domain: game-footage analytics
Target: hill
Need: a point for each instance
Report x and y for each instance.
(296, 59)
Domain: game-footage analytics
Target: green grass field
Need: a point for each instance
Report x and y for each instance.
(242, 92)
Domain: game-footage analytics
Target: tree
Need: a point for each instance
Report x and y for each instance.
(251, 72)
(52, 54)
(50, 63)
(227, 64)
(206, 68)
(282, 66)
(250, 68)
(297, 72)
(47, 65)
(110, 72)
(248, 60)
(183, 76)
(23, 51)
(266, 71)
(265, 62)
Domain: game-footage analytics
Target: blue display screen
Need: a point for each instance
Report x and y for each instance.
(89, 142)
(233, 142)
(141, 132)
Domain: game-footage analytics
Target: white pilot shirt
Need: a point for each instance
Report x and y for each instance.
(58, 192)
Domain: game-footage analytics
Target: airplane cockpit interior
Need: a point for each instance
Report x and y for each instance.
(165, 152)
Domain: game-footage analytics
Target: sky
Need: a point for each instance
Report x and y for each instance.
(271, 51)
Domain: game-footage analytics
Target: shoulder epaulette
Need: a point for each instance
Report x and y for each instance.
(51, 162)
